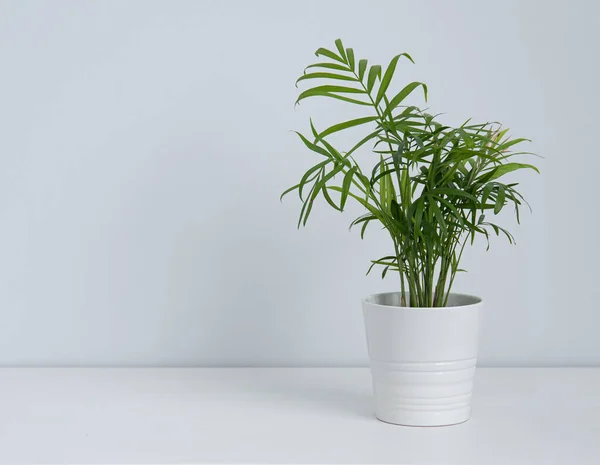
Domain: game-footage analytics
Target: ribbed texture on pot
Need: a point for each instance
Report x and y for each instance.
(423, 393)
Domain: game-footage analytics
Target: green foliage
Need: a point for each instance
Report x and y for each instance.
(429, 185)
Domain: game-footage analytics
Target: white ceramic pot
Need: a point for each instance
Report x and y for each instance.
(422, 359)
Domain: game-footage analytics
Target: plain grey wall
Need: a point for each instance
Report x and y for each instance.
(144, 146)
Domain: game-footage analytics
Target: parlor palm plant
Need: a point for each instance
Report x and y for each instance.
(431, 186)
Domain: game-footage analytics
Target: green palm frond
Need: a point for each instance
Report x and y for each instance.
(429, 185)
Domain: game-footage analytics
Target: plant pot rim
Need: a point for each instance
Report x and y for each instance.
(374, 300)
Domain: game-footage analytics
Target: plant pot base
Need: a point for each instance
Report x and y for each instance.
(407, 418)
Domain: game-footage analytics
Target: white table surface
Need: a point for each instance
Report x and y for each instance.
(286, 415)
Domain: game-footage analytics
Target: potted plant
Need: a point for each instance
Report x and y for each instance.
(433, 189)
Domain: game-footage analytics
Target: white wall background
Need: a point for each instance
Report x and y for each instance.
(144, 145)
